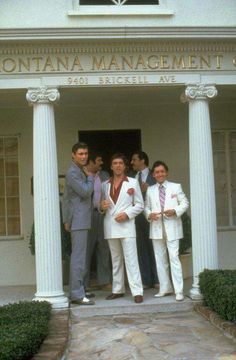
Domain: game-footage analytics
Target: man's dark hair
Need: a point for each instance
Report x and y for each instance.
(120, 156)
(142, 156)
(159, 163)
(93, 155)
(79, 145)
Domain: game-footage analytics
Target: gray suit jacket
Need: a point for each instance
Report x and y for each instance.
(76, 202)
(104, 175)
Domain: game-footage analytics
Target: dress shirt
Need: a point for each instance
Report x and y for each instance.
(97, 191)
(163, 184)
(144, 174)
(115, 192)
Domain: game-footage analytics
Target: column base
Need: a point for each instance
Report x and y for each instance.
(195, 293)
(57, 302)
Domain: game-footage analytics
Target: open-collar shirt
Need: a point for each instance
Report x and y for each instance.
(115, 192)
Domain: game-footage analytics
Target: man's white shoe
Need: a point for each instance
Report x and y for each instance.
(179, 297)
(161, 294)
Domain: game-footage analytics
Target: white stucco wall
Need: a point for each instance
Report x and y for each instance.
(164, 136)
(48, 13)
(16, 263)
(227, 249)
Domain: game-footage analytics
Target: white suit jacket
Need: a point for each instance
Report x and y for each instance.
(174, 199)
(131, 204)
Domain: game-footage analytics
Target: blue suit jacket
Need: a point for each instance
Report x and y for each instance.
(150, 181)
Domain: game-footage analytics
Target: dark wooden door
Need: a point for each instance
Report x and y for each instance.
(109, 142)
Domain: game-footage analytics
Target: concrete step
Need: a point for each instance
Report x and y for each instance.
(126, 305)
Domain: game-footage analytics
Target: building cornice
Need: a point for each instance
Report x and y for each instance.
(211, 33)
(114, 46)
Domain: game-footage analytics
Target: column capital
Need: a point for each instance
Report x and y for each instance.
(42, 95)
(199, 92)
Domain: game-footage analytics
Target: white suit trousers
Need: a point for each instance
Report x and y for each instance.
(160, 249)
(125, 250)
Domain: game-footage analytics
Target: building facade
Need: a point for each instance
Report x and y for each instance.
(166, 69)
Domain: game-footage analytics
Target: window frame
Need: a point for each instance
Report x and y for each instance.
(228, 168)
(160, 9)
(20, 235)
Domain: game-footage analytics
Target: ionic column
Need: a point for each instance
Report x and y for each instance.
(202, 187)
(46, 198)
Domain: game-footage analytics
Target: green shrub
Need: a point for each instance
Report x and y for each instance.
(23, 327)
(219, 290)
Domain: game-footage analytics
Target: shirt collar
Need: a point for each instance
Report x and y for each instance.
(125, 178)
(145, 171)
(164, 184)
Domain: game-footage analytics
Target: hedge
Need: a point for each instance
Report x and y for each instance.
(219, 290)
(23, 327)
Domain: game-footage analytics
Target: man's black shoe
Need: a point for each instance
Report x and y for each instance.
(84, 301)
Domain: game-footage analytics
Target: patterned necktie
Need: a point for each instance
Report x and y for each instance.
(162, 196)
(140, 178)
(97, 192)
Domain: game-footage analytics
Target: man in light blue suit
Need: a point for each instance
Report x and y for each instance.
(76, 210)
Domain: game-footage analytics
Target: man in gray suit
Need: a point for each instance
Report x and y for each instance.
(76, 210)
(96, 243)
(140, 162)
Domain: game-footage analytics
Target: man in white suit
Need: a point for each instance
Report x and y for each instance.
(164, 205)
(122, 201)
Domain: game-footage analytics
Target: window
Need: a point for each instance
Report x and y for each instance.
(10, 224)
(120, 8)
(119, 2)
(224, 152)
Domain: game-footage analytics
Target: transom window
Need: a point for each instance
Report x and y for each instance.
(224, 151)
(10, 224)
(119, 2)
(120, 8)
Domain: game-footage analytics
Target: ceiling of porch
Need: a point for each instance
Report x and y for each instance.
(104, 96)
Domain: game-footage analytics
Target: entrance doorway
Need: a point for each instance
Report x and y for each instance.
(109, 142)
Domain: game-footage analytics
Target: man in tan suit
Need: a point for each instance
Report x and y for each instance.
(165, 203)
(122, 201)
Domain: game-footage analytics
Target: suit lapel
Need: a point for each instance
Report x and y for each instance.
(156, 196)
(168, 195)
(108, 193)
(120, 197)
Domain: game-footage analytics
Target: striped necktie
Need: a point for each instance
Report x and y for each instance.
(162, 196)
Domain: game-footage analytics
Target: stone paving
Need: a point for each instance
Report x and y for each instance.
(173, 336)
(156, 329)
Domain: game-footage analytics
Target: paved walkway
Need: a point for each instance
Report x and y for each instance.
(172, 336)
(156, 329)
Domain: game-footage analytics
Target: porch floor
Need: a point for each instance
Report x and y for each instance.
(125, 305)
